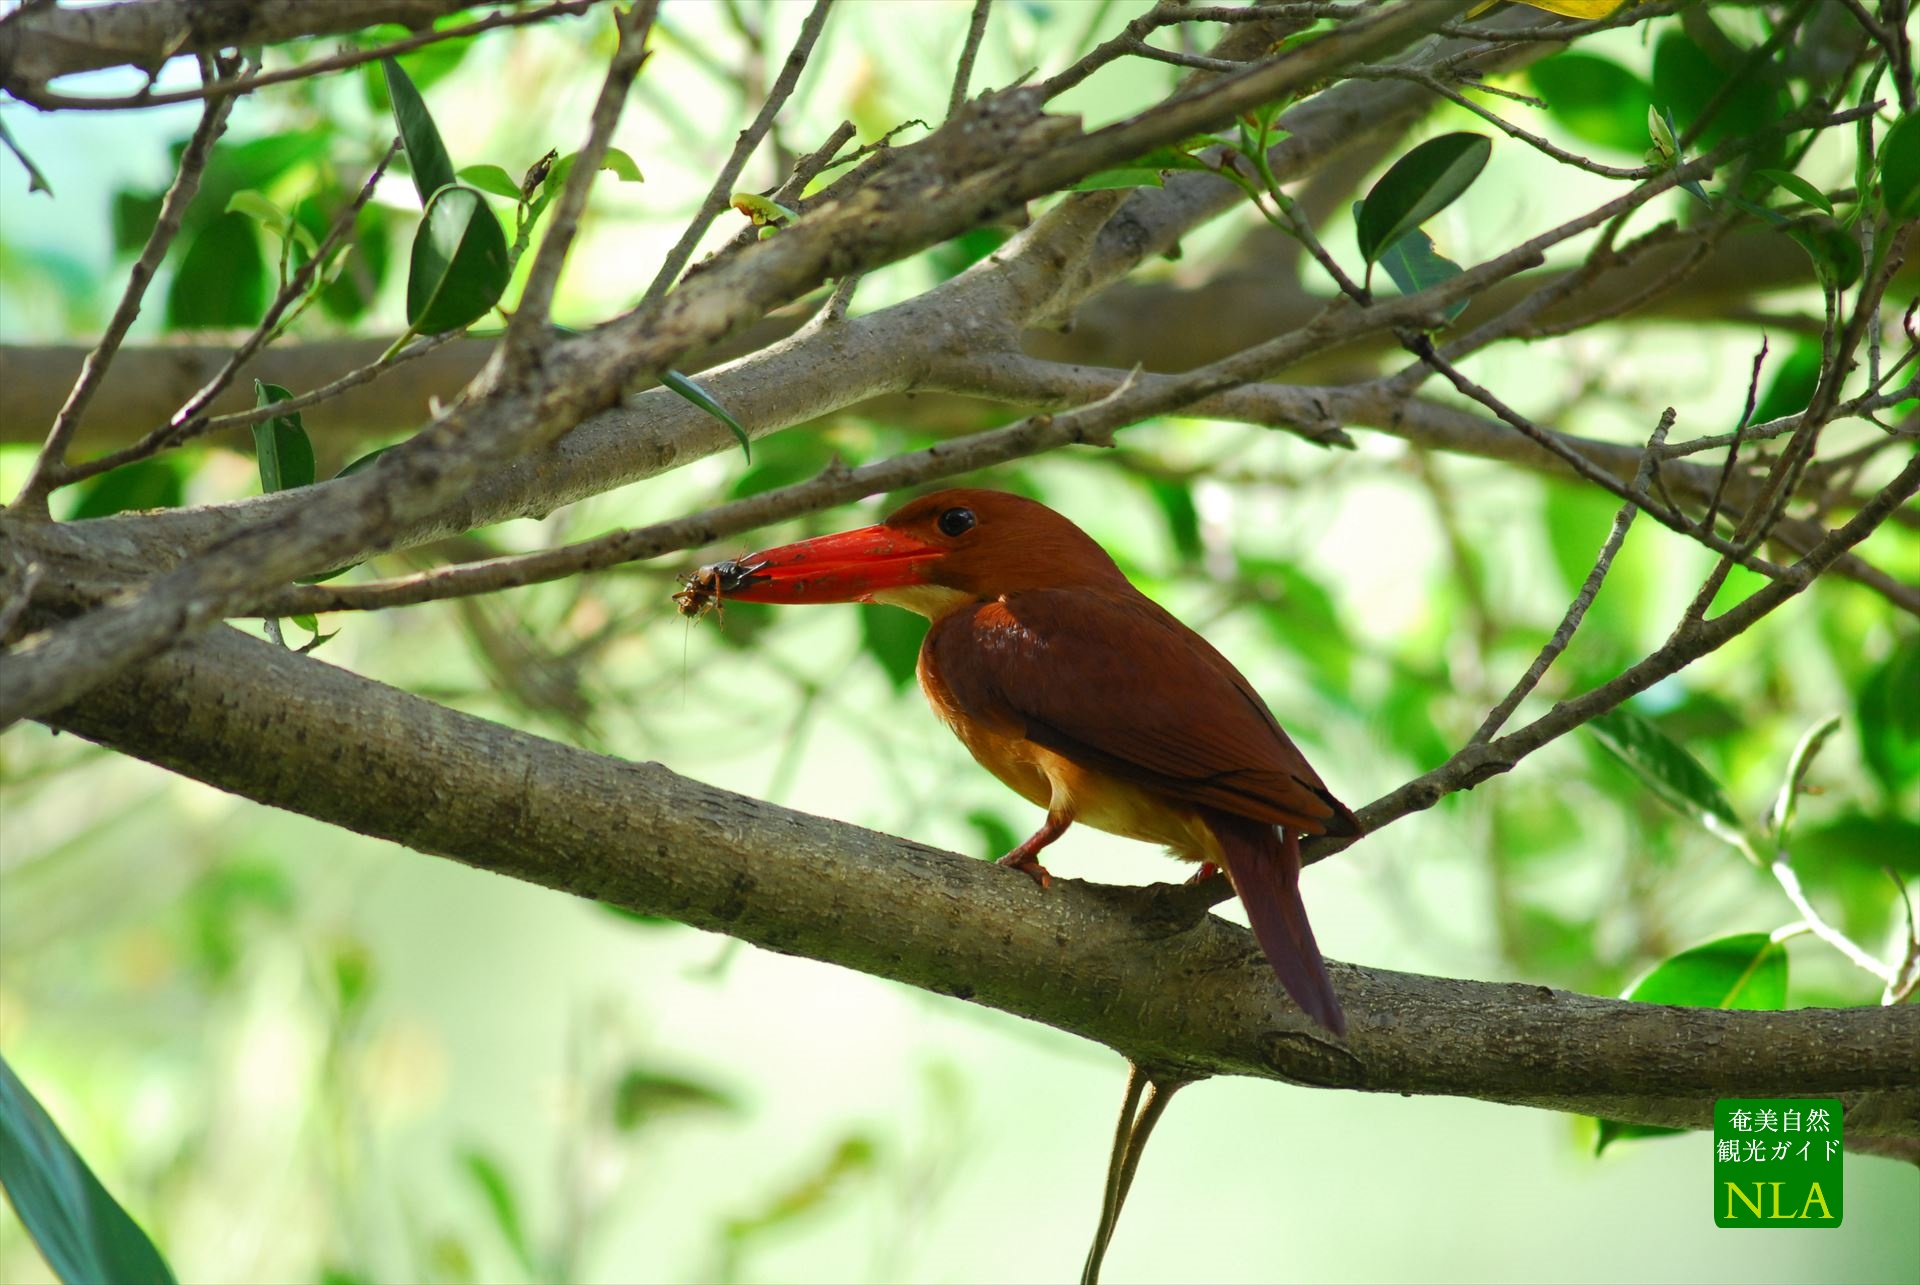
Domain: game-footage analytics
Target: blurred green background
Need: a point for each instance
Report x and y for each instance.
(299, 1055)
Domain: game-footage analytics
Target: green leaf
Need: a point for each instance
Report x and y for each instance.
(1900, 169)
(643, 1095)
(144, 484)
(1672, 773)
(1182, 516)
(621, 166)
(635, 917)
(1888, 714)
(1744, 971)
(78, 1226)
(364, 462)
(459, 267)
(133, 217)
(1594, 99)
(760, 211)
(1300, 614)
(258, 208)
(1833, 249)
(222, 282)
(426, 154)
(491, 1179)
(1793, 383)
(1419, 185)
(892, 637)
(1412, 264)
(997, 838)
(354, 283)
(491, 179)
(1780, 820)
(700, 397)
(1110, 180)
(1660, 129)
(280, 444)
(1799, 187)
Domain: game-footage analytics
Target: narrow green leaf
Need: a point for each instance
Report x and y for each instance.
(643, 1095)
(280, 444)
(1799, 187)
(1900, 168)
(498, 1193)
(699, 396)
(259, 209)
(364, 462)
(1672, 773)
(78, 1226)
(426, 154)
(1418, 186)
(492, 180)
(459, 267)
(1113, 180)
(1780, 821)
(1174, 499)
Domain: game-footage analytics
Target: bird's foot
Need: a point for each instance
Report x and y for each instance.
(1029, 864)
(1206, 871)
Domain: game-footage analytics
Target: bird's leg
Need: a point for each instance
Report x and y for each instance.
(1025, 857)
(1129, 1141)
(1206, 871)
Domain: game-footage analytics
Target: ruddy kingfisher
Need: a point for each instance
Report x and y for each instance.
(1091, 701)
(1084, 695)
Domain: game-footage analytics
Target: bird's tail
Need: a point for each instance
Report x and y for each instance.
(1265, 866)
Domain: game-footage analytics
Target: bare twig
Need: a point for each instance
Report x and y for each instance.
(1497, 717)
(528, 330)
(963, 71)
(1783, 874)
(1733, 448)
(186, 181)
(1178, 58)
(1431, 82)
(722, 190)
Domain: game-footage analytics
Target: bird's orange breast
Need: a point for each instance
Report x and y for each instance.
(1063, 787)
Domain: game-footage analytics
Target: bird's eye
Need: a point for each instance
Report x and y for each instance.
(956, 522)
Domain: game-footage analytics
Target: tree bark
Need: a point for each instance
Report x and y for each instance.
(1145, 971)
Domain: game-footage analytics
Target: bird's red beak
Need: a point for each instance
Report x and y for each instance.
(848, 567)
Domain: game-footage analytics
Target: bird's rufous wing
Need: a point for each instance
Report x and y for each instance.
(1113, 682)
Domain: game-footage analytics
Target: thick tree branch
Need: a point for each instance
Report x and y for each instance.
(49, 100)
(1144, 971)
(61, 40)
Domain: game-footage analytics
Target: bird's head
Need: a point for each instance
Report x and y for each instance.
(938, 553)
